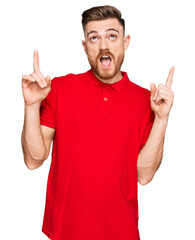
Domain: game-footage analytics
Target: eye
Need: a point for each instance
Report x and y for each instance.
(93, 39)
(112, 36)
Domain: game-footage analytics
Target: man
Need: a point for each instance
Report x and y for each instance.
(108, 133)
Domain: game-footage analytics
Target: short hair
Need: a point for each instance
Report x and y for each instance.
(101, 13)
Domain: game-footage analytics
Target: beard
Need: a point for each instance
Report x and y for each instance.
(106, 73)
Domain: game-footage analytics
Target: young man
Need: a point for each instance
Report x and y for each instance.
(108, 133)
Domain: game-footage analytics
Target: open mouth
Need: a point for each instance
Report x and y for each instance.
(106, 61)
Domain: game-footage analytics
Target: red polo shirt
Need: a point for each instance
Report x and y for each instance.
(92, 182)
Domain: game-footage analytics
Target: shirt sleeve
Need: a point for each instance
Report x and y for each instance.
(48, 107)
(146, 126)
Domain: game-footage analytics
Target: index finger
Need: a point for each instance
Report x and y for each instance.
(36, 60)
(170, 78)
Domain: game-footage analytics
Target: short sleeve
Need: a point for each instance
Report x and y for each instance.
(48, 107)
(146, 126)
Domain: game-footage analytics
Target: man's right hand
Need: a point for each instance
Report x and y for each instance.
(33, 88)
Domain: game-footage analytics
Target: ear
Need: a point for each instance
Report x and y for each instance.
(84, 46)
(126, 41)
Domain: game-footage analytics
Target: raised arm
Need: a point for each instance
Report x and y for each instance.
(150, 156)
(36, 139)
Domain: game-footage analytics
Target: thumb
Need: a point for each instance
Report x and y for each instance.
(153, 90)
(48, 79)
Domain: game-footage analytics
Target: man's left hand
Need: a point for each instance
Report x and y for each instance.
(161, 98)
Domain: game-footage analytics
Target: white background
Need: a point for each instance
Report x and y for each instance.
(162, 35)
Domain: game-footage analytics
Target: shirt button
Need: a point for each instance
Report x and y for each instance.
(105, 99)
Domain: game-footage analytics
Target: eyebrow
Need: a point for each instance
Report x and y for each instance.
(110, 29)
(91, 32)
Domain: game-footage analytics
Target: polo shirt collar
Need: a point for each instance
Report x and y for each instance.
(117, 85)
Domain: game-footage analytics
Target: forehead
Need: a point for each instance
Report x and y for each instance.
(103, 25)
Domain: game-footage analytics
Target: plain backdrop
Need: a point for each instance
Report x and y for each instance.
(162, 35)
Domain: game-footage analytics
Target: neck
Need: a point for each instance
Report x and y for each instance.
(114, 79)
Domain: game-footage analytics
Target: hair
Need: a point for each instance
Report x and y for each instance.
(101, 13)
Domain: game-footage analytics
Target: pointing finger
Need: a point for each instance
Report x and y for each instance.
(170, 78)
(36, 61)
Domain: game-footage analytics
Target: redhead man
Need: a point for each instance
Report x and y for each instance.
(107, 132)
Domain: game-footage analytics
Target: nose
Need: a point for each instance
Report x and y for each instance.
(104, 44)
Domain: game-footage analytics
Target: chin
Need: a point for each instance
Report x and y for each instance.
(106, 73)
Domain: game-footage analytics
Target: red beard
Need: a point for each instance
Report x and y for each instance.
(106, 73)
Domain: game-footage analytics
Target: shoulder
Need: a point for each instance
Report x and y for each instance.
(139, 92)
(70, 78)
(142, 96)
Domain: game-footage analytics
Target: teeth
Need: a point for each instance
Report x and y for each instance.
(104, 57)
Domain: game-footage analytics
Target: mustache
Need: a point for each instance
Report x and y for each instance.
(105, 53)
